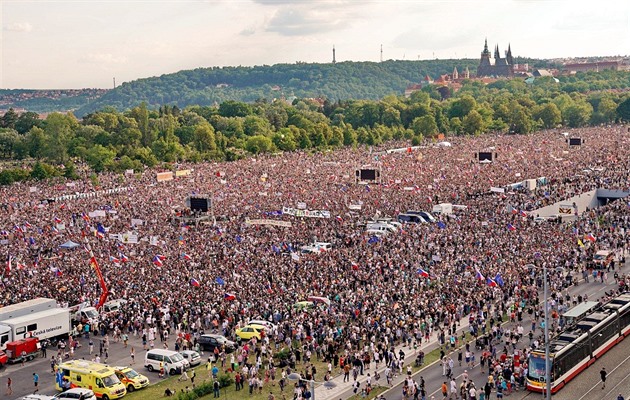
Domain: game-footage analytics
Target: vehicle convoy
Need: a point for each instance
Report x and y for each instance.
(49, 324)
(99, 378)
(22, 350)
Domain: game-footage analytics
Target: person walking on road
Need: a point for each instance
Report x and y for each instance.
(9, 391)
(36, 382)
(603, 375)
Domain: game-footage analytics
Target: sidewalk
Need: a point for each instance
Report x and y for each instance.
(343, 390)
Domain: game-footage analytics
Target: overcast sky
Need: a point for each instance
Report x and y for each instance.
(85, 43)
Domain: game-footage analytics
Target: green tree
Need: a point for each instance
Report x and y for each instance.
(549, 114)
(204, 139)
(623, 110)
(26, 121)
(259, 144)
(578, 114)
(425, 126)
(473, 123)
(100, 158)
(284, 140)
(9, 119)
(59, 131)
(9, 140)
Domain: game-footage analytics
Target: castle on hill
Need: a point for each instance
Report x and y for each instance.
(499, 66)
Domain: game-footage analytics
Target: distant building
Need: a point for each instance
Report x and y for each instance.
(592, 66)
(498, 66)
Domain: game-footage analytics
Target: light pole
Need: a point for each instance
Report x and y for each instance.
(295, 377)
(547, 361)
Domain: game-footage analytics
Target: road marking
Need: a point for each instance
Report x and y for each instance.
(448, 382)
(613, 370)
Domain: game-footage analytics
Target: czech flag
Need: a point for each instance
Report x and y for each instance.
(338, 218)
(523, 213)
(478, 275)
(161, 257)
(590, 237)
(194, 282)
(423, 273)
(157, 261)
(514, 211)
(511, 227)
(57, 220)
(491, 282)
(229, 297)
(186, 257)
(114, 260)
(123, 258)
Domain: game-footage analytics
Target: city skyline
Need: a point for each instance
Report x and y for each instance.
(85, 44)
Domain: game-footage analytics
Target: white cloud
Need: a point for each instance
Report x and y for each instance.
(102, 58)
(19, 27)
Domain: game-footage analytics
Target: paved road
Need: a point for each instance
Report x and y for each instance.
(22, 376)
(433, 374)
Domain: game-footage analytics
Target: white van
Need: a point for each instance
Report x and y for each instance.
(380, 226)
(172, 361)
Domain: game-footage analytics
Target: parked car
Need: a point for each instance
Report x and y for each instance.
(191, 356)
(75, 394)
(264, 323)
(209, 342)
(250, 331)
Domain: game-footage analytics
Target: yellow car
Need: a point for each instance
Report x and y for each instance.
(250, 331)
(131, 379)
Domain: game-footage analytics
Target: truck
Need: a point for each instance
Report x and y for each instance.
(50, 324)
(83, 314)
(22, 350)
(443, 208)
(27, 307)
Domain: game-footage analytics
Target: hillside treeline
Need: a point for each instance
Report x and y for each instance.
(344, 80)
(116, 141)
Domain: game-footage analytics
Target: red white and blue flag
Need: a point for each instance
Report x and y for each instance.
(590, 237)
(194, 282)
(478, 275)
(229, 297)
(114, 260)
(423, 273)
(511, 227)
(157, 261)
(123, 258)
(491, 282)
(186, 257)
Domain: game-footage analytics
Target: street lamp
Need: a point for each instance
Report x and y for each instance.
(547, 361)
(547, 390)
(295, 377)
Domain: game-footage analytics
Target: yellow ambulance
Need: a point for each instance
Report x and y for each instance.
(99, 378)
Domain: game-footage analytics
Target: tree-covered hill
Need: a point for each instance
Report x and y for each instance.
(345, 80)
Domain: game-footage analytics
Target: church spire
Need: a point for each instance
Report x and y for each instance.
(508, 55)
(485, 48)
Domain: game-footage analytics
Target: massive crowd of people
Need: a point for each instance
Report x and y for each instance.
(215, 276)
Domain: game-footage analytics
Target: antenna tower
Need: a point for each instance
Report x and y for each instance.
(381, 53)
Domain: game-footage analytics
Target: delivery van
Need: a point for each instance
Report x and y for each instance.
(172, 361)
(99, 378)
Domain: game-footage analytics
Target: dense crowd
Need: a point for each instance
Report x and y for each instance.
(217, 276)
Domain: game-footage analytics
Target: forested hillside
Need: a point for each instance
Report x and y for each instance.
(341, 81)
(140, 136)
